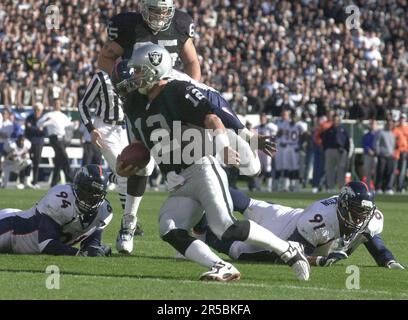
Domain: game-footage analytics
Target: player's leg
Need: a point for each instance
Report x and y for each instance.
(177, 216)
(294, 168)
(211, 191)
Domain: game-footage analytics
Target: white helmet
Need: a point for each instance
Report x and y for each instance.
(157, 13)
(148, 65)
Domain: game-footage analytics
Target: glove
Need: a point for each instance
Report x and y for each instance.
(95, 251)
(392, 264)
(332, 258)
(267, 144)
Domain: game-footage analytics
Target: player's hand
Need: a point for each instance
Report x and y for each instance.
(267, 144)
(231, 157)
(331, 259)
(96, 138)
(395, 265)
(125, 171)
(95, 251)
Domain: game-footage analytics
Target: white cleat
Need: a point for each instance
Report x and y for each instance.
(295, 258)
(124, 241)
(221, 271)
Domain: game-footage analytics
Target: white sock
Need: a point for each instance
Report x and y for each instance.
(131, 206)
(199, 252)
(262, 237)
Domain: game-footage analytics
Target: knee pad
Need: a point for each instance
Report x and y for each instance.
(136, 185)
(239, 231)
(179, 239)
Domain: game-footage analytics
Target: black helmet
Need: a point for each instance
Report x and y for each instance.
(355, 206)
(90, 185)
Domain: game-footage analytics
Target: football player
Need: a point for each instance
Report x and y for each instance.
(287, 155)
(195, 179)
(330, 229)
(158, 22)
(66, 215)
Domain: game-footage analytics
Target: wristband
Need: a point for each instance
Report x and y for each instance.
(318, 260)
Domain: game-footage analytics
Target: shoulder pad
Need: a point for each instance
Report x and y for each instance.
(376, 224)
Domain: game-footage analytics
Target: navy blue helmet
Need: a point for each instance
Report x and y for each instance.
(355, 206)
(122, 79)
(90, 185)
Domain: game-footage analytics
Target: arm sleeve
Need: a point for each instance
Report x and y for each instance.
(48, 238)
(120, 29)
(376, 247)
(84, 105)
(185, 26)
(297, 237)
(193, 107)
(94, 239)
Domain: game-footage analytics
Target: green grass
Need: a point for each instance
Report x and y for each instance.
(152, 272)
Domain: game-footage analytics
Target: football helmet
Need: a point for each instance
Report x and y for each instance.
(355, 206)
(148, 65)
(122, 79)
(157, 13)
(89, 187)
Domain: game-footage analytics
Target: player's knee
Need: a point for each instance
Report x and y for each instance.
(136, 185)
(179, 239)
(239, 231)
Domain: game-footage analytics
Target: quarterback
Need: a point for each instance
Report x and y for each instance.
(330, 229)
(66, 215)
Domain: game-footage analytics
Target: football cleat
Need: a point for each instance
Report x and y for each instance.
(295, 258)
(124, 241)
(221, 271)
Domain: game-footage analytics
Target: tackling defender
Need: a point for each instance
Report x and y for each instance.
(66, 215)
(330, 229)
(195, 181)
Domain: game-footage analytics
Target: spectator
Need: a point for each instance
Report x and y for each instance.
(91, 155)
(403, 162)
(36, 136)
(369, 157)
(401, 147)
(384, 146)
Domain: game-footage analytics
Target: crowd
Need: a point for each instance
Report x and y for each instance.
(264, 56)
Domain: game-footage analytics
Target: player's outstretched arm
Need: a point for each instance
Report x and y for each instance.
(381, 254)
(190, 60)
(49, 233)
(327, 261)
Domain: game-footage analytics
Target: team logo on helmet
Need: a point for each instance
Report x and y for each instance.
(155, 58)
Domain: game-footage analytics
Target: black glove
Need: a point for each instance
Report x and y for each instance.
(95, 251)
(331, 259)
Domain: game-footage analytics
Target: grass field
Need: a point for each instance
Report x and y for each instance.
(152, 272)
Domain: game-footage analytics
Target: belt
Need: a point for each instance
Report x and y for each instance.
(114, 122)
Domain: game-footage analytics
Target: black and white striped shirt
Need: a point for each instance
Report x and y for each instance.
(100, 95)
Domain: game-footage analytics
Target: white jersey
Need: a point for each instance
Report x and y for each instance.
(58, 204)
(16, 154)
(269, 129)
(317, 224)
(290, 132)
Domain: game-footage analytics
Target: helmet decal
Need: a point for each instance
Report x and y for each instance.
(155, 58)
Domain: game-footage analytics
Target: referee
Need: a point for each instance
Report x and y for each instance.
(108, 133)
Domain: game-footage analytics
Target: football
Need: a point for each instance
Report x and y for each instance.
(135, 154)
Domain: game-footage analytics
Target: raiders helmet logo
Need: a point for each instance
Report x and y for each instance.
(155, 58)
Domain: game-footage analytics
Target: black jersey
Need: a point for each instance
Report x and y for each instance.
(180, 106)
(131, 32)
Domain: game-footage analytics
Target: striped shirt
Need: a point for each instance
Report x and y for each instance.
(100, 95)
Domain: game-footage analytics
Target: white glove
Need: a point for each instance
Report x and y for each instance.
(392, 264)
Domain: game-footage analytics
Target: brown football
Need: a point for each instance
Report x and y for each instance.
(135, 154)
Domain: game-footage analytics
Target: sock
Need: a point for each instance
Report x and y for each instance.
(262, 237)
(131, 206)
(122, 199)
(199, 252)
